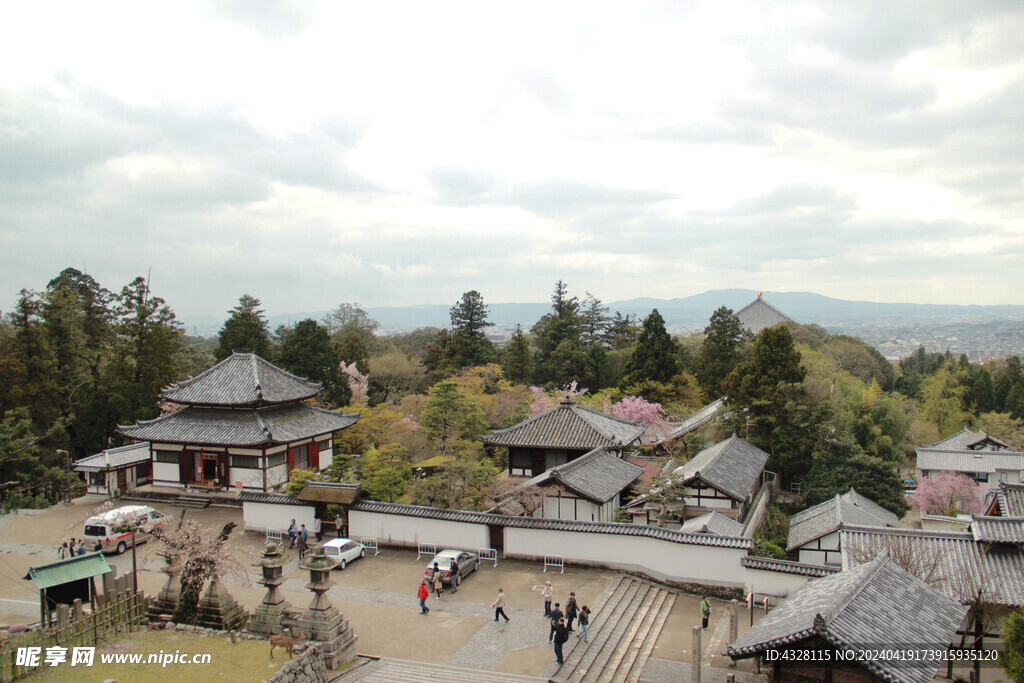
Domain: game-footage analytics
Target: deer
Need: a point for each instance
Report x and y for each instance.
(284, 641)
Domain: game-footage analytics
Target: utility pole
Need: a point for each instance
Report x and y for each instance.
(67, 482)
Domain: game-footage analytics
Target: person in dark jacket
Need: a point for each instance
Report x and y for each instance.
(584, 621)
(570, 611)
(556, 614)
(453, 571)
(561, 635)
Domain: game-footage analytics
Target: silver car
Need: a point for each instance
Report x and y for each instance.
(468, 562)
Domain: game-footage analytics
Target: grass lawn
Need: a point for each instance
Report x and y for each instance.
(247, 660)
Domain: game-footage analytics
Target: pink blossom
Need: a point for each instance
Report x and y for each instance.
(949, 494)
(357, 382)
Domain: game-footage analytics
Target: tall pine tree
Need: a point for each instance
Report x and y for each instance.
(655, 357)
(245, 331)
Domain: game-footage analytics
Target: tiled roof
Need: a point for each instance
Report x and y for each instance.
(230, 427)
(712, 523)
(876, 604)
(850, 508)
(759, 314)
(1010, 499)
(553, 524)
(71, 569)
(787, 567)
(965, 439)
(695, 421)
(338, 493)
(598, 475)
(651, 469)
(951, 561)
(271, 498)
(732, 466)
(242, 379)
(968, 461)
(568, 425)
(121, 456)
(998, 530)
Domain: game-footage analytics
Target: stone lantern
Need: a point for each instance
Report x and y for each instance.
(269, 614)
(322, 621)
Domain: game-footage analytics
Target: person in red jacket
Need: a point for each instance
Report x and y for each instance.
(423, 595)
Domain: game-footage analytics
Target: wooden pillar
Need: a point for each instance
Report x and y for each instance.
(42, 608)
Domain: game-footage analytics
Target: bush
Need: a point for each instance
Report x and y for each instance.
(768, 549)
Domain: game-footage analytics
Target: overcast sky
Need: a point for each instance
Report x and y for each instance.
(403, 153)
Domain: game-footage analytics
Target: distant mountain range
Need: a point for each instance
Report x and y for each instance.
(681, 314)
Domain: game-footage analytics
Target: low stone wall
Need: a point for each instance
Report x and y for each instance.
(311, 667)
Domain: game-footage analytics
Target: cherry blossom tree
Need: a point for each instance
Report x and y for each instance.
(358, 383)
(949, 494)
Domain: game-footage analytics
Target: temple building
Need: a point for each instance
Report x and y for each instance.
(244, 425)
(759, 314)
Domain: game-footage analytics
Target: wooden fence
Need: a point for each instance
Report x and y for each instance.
(116, 610)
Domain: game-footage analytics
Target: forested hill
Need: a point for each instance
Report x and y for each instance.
(690, 312)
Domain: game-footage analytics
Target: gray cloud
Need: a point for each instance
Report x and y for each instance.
(272, 19)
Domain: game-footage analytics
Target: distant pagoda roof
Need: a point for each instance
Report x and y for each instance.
(568, 425)
(759, 314)
(242, 380)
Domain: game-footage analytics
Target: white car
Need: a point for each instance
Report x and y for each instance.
(343, 551)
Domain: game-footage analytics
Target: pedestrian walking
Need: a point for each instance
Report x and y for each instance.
(62, 552)
(499, 606)
(80, 548)
(423, 594)
(292, 530)
(556, 615)
(705, 613)
(338, 523)
(98, 547)
(303, 546)
(453, 571)
(584, 622)
(561, 635)
(547, 593)
(438, 583)
(304, 532)
(570, 611)
(318, 529)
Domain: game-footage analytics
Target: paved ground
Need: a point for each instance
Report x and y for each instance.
(377, 596)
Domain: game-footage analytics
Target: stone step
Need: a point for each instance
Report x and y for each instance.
(644, 640)
(400, 671)
(609, 631)
(627, 648)
(637, 668)
(604, 611)
(192, 502)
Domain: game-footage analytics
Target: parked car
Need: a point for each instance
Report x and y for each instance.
(109, 527)
(343, 551)
(468, 562)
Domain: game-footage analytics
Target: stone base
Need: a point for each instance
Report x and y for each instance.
(218, 610)
(333, 632)
(269, 620)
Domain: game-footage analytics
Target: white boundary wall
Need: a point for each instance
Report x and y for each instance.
(263, 516)
(401, 530)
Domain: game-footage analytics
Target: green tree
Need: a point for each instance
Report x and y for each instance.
(384, 474)
(353, 350)
(390, 375)
(622, 332)
(469, 344)
(654, 358)
(1015, 401)
(594, 322)
(306, 351)
(349, 319)
(839, 463)
(245, 331)
(942, 398)
(1012, 657)
(27, 368)
(147, 341)
(516, 362)
(720, 353)
(982, 394)
(770, 387)
(450, 415)
(559, 328)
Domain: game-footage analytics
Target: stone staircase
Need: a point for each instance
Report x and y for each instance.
(192, 501)
(625, 626)
(399, 671)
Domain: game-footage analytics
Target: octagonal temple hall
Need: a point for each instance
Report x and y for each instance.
(244, 424)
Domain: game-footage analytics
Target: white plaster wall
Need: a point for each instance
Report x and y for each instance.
(326, 457)
(659, 559)
(167, 472)
(410, 531)
(810, 554)
(250, 478)
(277, 475)
(245, 451)
(776, 584)
(262, 516)
(708, 502)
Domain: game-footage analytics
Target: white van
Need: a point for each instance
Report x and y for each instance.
(104, 528)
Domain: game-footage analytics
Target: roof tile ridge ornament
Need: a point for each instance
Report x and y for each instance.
(254, 366)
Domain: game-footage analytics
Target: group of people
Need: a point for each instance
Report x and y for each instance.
(561, 622)
(74, 548)
(435, 581)
(298, 535)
